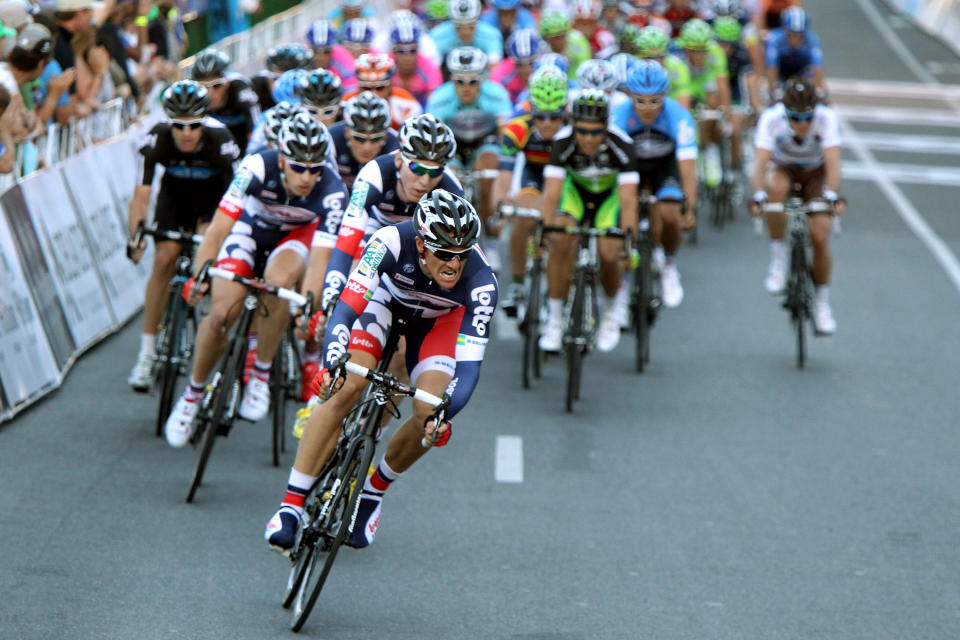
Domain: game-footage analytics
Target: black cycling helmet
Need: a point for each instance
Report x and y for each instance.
(32, 46)
(273, 120)
(799, 95)
(319, 88)
(303, 139)
(185, 99)
(426, 137)
(444, 220)
(289, 56)
(209, 64)
(367, 113)
(592, 105)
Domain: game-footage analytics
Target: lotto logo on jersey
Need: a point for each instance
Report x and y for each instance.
(332, 202)
(372, 256)
(482, 312)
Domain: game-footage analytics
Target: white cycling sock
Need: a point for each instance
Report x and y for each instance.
(823, 294)
(147, 344)
(778, 250)
(555, 309)
(298, 486)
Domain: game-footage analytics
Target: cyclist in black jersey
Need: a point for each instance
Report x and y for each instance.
(278, 60)
(198, 154)
(232, 100)
(590, 180)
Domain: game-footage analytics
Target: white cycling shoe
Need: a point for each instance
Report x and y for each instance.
(180, 423)
(823, 321)
(552, 337)
(141, 376)
(256, 400)
(776, 278)
(608, 336)
(672, 289)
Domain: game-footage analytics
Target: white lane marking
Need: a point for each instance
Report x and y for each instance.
(909, 173)
(894, 41)
(936, 66)
(898, 23)
(891, 89)
(910, 143)
(904, 207)
(905, 116)
(508, 465)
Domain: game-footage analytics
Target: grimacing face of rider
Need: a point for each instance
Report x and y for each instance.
(446, 273)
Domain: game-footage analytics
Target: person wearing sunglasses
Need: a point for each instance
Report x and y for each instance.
(590, 180)
(197, 154)
(429, 272)
(508, 16)
(375, 72)
(265, 226)
(416, 73)
(744, 86)
(529, 136)
(665, 145)
(798, 142)
(232, 100)
(513, 74)
(464, 29)
(793, 49)
(320, 92)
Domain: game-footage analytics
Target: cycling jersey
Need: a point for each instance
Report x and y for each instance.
(486, 38)
(336, 15)
(775, 134)
(347, 165)
(789, 61)
(677, 18)
(738, 66)
(603, 43)
(524, 20)
(192, 183)
(343, 65)
(520, 136)
(645, 20)
(613, 164)
(679, 74)
(424, 80)
(267, 218)
(577, 51)
(703, 80)
(505, 74)
(402, 105)
(240, 110)
(374, 203)
(447, 329)
(262, 85)
(493, 99)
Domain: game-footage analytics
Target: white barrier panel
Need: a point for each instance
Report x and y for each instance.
(68, 256)
(940, 18)
(97, 210)
(27, 365)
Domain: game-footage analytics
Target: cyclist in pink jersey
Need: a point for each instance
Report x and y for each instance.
(523, 47)
(415, 72)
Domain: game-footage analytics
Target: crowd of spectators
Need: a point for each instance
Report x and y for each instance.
(64, 59)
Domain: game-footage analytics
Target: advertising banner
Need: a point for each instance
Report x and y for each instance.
(68, 256)
(96, 208)
(38, 276)
(27, 365)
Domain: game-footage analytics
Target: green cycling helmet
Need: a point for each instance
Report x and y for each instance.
(438, 9)
(548, 90)
(695, 35)
(630, 38)
(652, 42)
(727, 29)
(554, 24)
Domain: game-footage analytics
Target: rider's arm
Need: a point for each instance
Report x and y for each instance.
(138, 206)
(246, 181)
(140, 201)
(474, 329)
(832, 145)
(771, 60)
(816, 60)
(688, 182)
(686, 154)
(628, 177)
(513, 137)
(552, 190)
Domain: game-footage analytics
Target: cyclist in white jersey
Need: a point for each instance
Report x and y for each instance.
(798, 142)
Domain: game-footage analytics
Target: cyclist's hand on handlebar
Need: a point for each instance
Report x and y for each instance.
(318, 323)
(135, 252)
(320, 382)
(193, 291)
(756, 204)
(443, 433)
(688, 220)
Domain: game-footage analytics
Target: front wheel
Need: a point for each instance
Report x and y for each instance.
(531, 327)
(641, 311)
(575, 339)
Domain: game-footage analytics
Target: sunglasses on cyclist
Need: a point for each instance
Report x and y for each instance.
(374, 86)
(446, 255)
(402, 50)
(189, 126)
(297, 167)
(326, 112)
(423, 170)
(554, 115)
(590, 132)
(466, 81)
(800, 117)
(654, 101)
(363, 138)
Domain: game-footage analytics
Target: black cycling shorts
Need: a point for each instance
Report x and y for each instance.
(661, 177)
(532, 177)
(183, 212)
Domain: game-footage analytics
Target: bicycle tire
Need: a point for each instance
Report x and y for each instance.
(278, 400)
(305, 544)
(641, 306)
(574, 334)
(531, 327)
(714, 195)
(231, 376)
(345, 502)
(799, 302)
(168, 370)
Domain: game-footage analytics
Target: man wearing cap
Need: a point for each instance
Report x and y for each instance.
(31, 52)
(71, 15)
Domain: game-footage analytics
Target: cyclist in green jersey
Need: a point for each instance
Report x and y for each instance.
(651, 43)
(555, 29)
(591, 180)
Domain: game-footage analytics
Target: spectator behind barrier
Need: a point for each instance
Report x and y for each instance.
(7, 146)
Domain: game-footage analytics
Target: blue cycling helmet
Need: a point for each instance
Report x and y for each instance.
(357, 31)
(794, 20)
(285, 88)
(321, 33)
(552, 60)
(405, 28)
(506, 4)
(524, 44)
(647, 77)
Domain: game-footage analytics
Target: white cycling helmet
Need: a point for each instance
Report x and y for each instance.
(466, 61)
(444, 220)
(465, 10)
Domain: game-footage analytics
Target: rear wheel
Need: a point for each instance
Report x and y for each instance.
(278, 400)
(531, 327)
(797, 298)
(575, 338)
(167, 368)
(640, 302)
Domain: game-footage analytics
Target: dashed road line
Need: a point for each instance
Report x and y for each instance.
(508, 463)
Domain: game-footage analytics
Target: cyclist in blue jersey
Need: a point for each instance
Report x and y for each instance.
(794, 50)
(665, 143)
(429, 272)
(264, 226)
(468, 88)
(349, 10)
(507, 16)
(464, 29)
